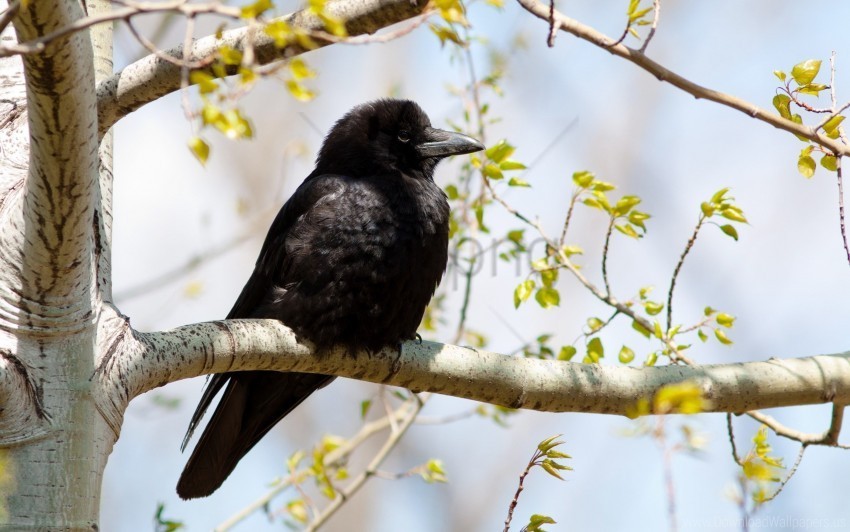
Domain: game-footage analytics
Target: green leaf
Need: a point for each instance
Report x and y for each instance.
(721, 337)
(651, 359)
(726, 320)
(633, 5)
(256, 9)
(812, 89)
(299, 91)
(595, 350)
(511, 165)
(548, 297)
(583, 178)
(452, 192)
(364, 408)
(782, 103)
(548, 277)
(719, 196)
(594, 324)
(806, 166)
(637, 218)
(830, 162)
(708, 311)
(492, 171)
(549, 443)
(567, 352)
(517, 182)
(200, 149)
(831, 126)
(500, 151)
(626, 355)
(300, 70)
(523, 292)
(702, 335)
(730, 230)
(780, 74)
(707, 209)
(627, 230)
(205, 82)
(805, 72)
(733, 213)
(229, 56)
(652, 308)
(640, 328)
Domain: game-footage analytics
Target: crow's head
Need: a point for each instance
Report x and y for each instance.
(385, 136)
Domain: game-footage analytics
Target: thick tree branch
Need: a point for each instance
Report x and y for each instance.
(637, 57)
(148, 360)
(49, 271)
(152, 77)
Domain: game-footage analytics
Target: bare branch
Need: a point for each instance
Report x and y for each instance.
(596, 38)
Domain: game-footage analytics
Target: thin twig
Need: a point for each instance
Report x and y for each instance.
(605, 257)
(667, 458)
(840, 179)
(678, 268)
(358, 481)
(656, 8)
(9, 14)
(635, 56)
(788, 476)
(731, 432)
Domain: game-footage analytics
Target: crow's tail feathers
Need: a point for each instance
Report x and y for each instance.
(253, 403)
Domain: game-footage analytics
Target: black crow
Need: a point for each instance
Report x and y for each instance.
(351, 259)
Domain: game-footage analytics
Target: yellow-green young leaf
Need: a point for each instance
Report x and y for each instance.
(708, 311)
(603, 186)
(683, 398)
(812, 89)
(805, 72)
(639, 14)
(247, 76)
(492, 171)
(633, 5)
(806, 166)
(730, 230)
(830, 162)
(726, 320)
(594, 324)
(626, 355)
(300, 70)
(656, 330)
(446, 34)
(633, 32)
(536, 520)
(640, 328)
(652, 308)
(595, 350)
(256, 9)
(720, 196)
(780, 74)
(702, 335)
(782, 103)
(627, 230)
(548, 277)
(523, 291)
(517, 182)
(500, 151)
(297, 509)
(452, 192)
(495, 3)
(280, 32)
(550, 468)
(567, 352)
(707, 209)
(600, 197)
(364, 408)
(229, 56)
(733, 213)
(200, 149)
(548, 297)
(797, 119)
(205, 82)
(637, 218)
(511, 165)
(832, 124)
(625, 204)
(721, 337)
(583, 178)
(651, 359)
(645, 291)
(334, 25)
(299, 91)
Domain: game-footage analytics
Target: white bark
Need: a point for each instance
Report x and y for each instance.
(149, 360)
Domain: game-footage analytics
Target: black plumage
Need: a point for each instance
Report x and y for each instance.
(351, 259)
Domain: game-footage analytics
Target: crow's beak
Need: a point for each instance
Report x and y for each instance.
(440, 143)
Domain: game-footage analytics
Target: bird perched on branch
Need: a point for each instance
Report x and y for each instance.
(351, 259)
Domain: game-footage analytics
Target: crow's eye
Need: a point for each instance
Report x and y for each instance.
(404, 135)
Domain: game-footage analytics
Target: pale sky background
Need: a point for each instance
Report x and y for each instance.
(787, 279)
